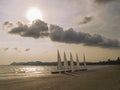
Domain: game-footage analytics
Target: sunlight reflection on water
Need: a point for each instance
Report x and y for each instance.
(23, 71)
(31, 69)
(8, 72)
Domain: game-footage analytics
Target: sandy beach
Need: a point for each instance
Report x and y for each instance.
(107, 78)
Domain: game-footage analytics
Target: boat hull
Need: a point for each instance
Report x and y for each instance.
(69, 71)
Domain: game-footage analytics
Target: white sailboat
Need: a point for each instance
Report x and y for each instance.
(71, 63)
(65, 63)
(78, 63)
(85, 66)
(59, 66)
(65, 67)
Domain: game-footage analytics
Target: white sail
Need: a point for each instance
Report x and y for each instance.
(65, 63)
(84, 61)
(59, 67)
(78, 63)
(71, 63)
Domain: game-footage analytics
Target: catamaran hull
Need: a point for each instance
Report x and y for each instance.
(80, 70)
(57, 72)
(69, 71)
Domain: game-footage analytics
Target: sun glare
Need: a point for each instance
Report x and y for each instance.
(33, 14)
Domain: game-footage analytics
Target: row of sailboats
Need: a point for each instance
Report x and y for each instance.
(69, 68)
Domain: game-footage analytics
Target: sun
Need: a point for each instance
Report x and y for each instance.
(33, 14)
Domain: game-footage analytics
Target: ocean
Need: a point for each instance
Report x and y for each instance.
(9, 71)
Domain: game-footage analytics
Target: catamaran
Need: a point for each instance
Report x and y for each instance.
(65, 67)
(71, 63)
(85, 66)
(59, 66)
(65, 63)
(78, 62)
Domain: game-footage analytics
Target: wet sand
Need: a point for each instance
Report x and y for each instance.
(107, 78)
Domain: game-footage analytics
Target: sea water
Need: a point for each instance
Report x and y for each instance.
(9, 71)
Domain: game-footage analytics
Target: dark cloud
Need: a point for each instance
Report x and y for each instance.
(7, 24)
(28, 49)
(86, 20)
(19, 30)
(37, 29)
(103, 1)
(6, 49)
(16, 49)
(56, 32)
(71, 36)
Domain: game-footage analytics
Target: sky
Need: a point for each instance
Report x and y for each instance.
(76, 26)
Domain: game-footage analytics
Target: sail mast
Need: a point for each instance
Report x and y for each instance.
(59, 67)
(65, 62)
(71, 63)
(78, 63)
(84, 61)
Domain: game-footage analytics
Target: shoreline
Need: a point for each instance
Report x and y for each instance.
(41, 74)
(106, 78)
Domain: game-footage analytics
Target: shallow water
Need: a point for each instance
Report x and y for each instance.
(8, 71)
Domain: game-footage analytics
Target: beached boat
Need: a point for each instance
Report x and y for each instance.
(78, 64)
(71, 64)
(65, 68)
(59, 66)
(65, 65)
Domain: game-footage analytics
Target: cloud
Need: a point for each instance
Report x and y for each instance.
(27, 49)
(6, 49)
(86, 20)
(16, 49)
(71, 36)
(7, 24)
(103, 1)
(56, 32)
(37, 29)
